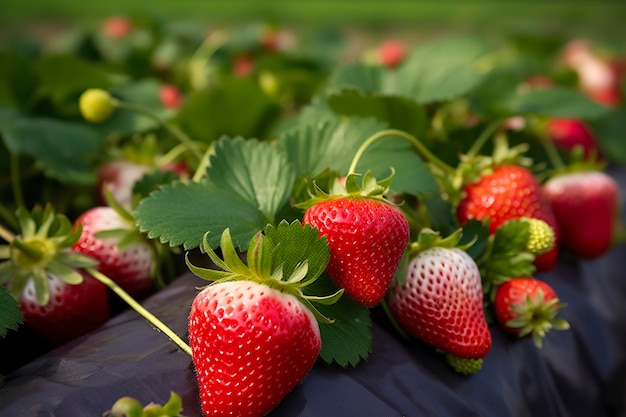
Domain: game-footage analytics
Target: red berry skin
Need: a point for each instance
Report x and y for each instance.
(170, 96)
(119, 176)
(509, 192)
(251, 345)
(513, 293)
(117, 27)
(367, 239)
(568, 133)
(586, 207)
(441, 302)
(73, 310)
(391, 53)
(130, 267)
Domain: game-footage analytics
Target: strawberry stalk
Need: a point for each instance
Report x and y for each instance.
(18, 196)
(173, 130)
(482, 139)
(140, 309)
(419, 146)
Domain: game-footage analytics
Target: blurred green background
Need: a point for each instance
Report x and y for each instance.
(590, 18)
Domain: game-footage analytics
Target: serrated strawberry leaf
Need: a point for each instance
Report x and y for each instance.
(555, 102)
(348, 340)
(10, 315)
(398, 112)
(330, 144)
(246, 184)
(435, 71)
(63, 150)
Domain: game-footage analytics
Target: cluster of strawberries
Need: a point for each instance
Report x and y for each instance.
(254, 332)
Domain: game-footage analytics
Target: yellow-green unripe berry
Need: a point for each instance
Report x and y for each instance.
(269, 83)
(96, 105)
(541, 236)
(465, 366)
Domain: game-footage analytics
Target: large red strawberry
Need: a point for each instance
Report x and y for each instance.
(509, 192)
(367, 237)
(58, 300)
(440, 300)
(586, 207)
(527, 306)
(252, 335)
(123, 254)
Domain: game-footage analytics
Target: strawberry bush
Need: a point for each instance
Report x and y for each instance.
(433, 182)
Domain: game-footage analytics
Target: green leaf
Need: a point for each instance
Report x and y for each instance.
(247, 183)
(17, 80)
(62, 78)
(295, 244)
(181, 214)
(609, 132)
(235, 107)
(555, 102)
(330, 144)
(254, 170)
(10, 314)
(65, 151)
(439, 70)
(347, 340)
(398, 112)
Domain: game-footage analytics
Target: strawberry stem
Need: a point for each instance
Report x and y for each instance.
(140, 309)
(423, 150)
(482, 139)
(177, 133)
(553, 154)
(6, 234)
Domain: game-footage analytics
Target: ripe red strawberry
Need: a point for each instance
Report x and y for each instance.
(567, 133)
(391, 53)
(123, 254)
(367, 238)
(270, 339)
(117, 27)
(252, 335)
(73, 310)
(58, 300)
(528, 307)
(243, 66)
(509, 192)
(586, 207)
(441, 301)
(170, 96)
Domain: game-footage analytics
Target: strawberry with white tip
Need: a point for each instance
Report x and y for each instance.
(439, 300)
(58, 299)
(253, 332)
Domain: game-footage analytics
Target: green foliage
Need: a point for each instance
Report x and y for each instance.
(10, 314)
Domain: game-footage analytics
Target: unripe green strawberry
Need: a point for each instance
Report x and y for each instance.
(541, 238)
(96, 105)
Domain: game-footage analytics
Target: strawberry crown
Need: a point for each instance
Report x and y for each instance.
(350, 186)
(429, 238)
(535, 317)
(270, 261)
(42, 249)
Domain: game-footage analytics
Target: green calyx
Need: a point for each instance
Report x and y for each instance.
(535, 317)
(465, 366)
(355, 186)
(42, 248)
(288, 258)
(429, 238)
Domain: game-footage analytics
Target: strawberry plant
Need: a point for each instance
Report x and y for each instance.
(232, 155)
